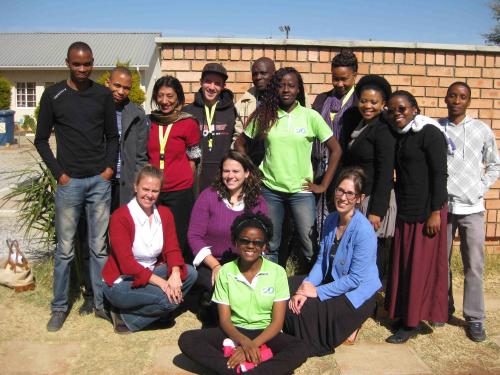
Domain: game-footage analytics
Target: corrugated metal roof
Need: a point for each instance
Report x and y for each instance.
(48, 50)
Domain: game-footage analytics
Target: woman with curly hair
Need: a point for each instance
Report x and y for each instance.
(288, 130)
(237, 188)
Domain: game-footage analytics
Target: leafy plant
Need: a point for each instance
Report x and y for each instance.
(34, 191)
(5, 93)
(136, 94)
(29, 123)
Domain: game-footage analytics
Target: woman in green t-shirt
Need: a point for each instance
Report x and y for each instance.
(251, 293)
(288, 130)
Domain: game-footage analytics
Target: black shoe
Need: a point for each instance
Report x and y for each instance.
(436, 324)
(56, 321)
(87, 307)
(475, 331)
(103, 314)
(402, 335)
(118, 324)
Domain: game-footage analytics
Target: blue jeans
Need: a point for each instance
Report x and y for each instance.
(139, 307)
(93, 195)
(303, 208)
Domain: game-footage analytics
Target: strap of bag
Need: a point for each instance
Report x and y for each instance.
(20, 253)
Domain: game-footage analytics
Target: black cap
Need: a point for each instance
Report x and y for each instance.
(214, 68)
(374, 80)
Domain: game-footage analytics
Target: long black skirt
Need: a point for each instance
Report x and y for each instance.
(324, 325)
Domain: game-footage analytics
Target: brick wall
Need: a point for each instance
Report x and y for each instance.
(425, 70)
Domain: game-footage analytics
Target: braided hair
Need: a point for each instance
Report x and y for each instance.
(266, 114)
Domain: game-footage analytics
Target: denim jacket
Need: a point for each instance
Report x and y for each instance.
(354, 269)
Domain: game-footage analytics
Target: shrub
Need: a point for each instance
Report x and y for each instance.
(4, 93)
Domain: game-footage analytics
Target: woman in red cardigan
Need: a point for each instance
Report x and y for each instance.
(145, 276)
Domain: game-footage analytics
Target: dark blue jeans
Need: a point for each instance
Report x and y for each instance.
(139, 307)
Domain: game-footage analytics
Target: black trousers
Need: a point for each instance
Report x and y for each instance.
(180, 203)
(204, 346)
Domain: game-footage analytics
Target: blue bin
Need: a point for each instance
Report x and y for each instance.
(6, 127)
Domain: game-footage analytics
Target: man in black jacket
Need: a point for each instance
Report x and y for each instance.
(82, 114)
(213, 107)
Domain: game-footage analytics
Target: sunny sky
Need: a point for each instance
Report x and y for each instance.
(435, 21)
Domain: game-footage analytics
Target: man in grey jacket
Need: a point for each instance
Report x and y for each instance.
(133, 130)
(473, 167)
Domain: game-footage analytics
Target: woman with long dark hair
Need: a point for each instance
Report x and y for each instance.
(288, 130)
(173, 147)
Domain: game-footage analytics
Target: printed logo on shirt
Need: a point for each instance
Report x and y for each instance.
(267, 291)
(300, 131)
(59, 93)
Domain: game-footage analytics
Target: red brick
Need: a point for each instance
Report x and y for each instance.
(399, 58)
(450, 59)
(491, 73)
(173, 65)
(481, 103)
(388, 57)
(313, 54)
(258, 53)
(428, 102)
(460, 59)
(198, 65)
(211, 53)
(440, 71)
(493, 204)
(490, 230)
(363, 69)
(490, 61)
(416, 91)
(440, 59)
(497, 61)
(436, 112)
(280, 54)
(223, 53)
(239, 87)
(468, 72)
(399, 80)
(480, 60)
(305, 67)
(446, 82)
(188, 76)
(167, 53)
(189, 53)
(291, 55)
(235, 53)
(470, 60)
(313, 78)
(269, 52)
(243, 77)
(424, 81)
(383, 69)
(378, 57)
(409, 58)
(439, 92)
(324, 56)
(491, 216)
(302, 54)
(492, 194)
(237, 66)
(475, 93)
(496, 103)
(200, 53)
(495, 124)
(480, 83)
(246, 53)
(497, 83)
(490, 93)
(231, 76)
(412, 70)
(178, 52)
(430, 58)
(321, 68)
(420, 58)
(489, 113)
(318, 88)
(189, 96)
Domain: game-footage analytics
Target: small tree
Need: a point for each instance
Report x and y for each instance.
(4, 93)
(136, 94)
(494, 36)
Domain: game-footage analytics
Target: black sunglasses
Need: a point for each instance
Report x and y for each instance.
(259, 244)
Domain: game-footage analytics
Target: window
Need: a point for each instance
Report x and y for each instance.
(26, 94)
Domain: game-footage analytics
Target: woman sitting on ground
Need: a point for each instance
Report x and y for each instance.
(145, 275)
(251, 293)
(236, 189)
(338, 295)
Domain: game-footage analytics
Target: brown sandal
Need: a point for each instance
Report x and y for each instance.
(352, 338)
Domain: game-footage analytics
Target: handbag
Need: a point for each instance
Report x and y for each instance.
(15, 271)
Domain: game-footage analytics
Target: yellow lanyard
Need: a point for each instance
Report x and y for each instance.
(344, 101)
(210, 114)
(163, 137)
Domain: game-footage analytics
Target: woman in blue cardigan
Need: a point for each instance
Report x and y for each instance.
(332, 302)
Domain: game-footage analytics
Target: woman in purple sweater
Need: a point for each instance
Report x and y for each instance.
(236, 189)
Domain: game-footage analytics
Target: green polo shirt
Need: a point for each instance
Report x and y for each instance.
(251, 303)
(287, 161)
